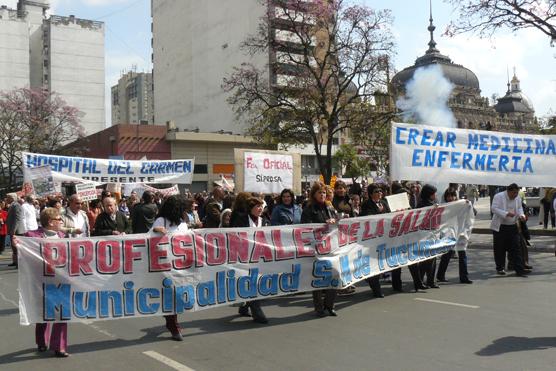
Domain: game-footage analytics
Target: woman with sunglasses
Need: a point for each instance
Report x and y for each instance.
(51, 227)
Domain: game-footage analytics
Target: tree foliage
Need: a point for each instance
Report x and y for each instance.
(353, 164)
(327, 60)
(33, 120)
(487, 16)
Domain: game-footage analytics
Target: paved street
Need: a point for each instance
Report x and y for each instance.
(498, 323)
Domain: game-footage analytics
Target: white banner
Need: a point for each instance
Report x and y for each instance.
(103, 278)
(141, 188)
(86, 191)
(267, 173)
(101, 171)
(445, 155)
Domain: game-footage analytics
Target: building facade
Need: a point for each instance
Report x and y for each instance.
(195, 45)
(512, 113)
(63, 54)
(132, 99)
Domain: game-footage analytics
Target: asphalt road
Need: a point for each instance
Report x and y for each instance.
(498, 323)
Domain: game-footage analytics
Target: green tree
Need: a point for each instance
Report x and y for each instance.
(351, 162)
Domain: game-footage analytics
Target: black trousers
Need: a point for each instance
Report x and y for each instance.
(507, 240)
(324, 299)
(414, 269)
(445, 260)
(428, 268)
(547, 205)
(374, 282)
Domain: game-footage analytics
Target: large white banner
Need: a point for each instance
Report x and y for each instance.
(101, 171)
(446, 155)
(114, 277)
(267, 173)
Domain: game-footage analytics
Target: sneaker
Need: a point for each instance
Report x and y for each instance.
(501, 272)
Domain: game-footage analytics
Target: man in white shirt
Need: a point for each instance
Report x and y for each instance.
(30, 214)
(76, 223)
(506, 210)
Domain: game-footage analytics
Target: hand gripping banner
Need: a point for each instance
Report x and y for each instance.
(72, 280)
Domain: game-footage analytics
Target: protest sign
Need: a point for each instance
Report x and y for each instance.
(41, 181)
(141, 188)
(112, 277)
(266, 171)
(398, 202)
(446, 155)
(102, 171)
(86, 191)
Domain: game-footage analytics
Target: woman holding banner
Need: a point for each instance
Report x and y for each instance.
(51, 227)
(318, 211)
(373, 206)
(169, 220)
(427, 198)
(451, 195)
(247, 213)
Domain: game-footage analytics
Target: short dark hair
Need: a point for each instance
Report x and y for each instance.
(513, 187)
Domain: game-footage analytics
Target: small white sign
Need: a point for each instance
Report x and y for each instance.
(398, 202)
(267, 173)
(86, 191)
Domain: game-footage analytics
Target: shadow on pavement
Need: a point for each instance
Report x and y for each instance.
(510, 344)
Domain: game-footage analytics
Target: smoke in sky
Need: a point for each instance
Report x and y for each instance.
(426, 98)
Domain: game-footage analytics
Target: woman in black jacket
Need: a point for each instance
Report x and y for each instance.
(427, 198)
(318, 211)
(373, 206)
(248, 213)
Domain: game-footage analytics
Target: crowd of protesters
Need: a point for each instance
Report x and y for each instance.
(111, 214)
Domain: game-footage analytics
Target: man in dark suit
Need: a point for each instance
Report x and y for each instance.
(213, 208)
(15, 223)
(144, 214)
(111, 221)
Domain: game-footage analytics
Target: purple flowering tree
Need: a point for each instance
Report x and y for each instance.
(33, 120)
(323, 63)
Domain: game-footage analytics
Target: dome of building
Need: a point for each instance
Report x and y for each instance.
(514, 100)
(455, 73)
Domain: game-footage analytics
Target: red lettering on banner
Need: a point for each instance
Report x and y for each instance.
(426, 222)
(182, 247)
(414, 227)
(323, 243)
(54, 256)
(130, 255)
(406, 224)
(281, 252)
(395, 225)
(158, 253)
(81, 256)
(261, 249)
(353, 231)
(368, 230)
(216, 248)
(301, 242)
(343, 232)
(199, 250)
(238, 247)
(108, 257)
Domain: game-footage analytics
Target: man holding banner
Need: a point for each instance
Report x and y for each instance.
(506, 209)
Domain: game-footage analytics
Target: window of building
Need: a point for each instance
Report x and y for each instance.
(132, 91)
(200, 169)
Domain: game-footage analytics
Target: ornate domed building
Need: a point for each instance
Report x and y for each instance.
(515, 109)
(513, 113)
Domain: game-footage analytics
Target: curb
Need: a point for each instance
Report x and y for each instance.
(483, 246)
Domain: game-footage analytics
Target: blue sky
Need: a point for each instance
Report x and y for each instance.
(128, 41)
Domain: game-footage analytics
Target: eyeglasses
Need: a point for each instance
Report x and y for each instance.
(58, 219)
(377, 191)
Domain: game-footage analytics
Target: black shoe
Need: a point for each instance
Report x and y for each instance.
(260, 319)
(421, 287)
(378, 295)
(526, 271)
(12, 265)
(398, 289)
(434, 286)
(527, 266)
(501, 272)
(258, 314)
(521, 274)
(244, 311)
(320, 313)
(177, 336)
(331, 312)
(466, 281)
(61, 354)
(41, 348)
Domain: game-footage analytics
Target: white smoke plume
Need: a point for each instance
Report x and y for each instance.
(426, 98)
